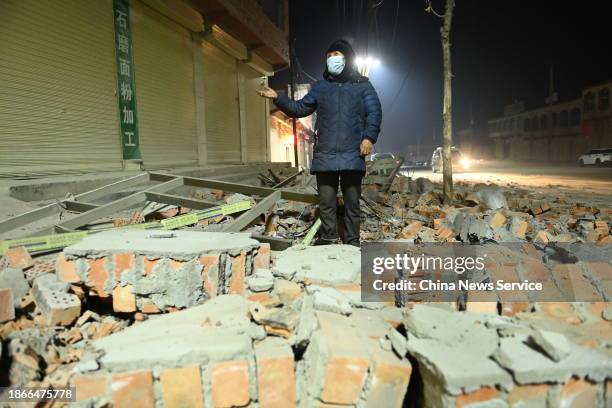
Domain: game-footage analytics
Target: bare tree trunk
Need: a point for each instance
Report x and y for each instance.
(447, 117)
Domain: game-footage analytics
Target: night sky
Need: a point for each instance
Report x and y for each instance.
(501, 51)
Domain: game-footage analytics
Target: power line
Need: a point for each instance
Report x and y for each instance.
(394, 26)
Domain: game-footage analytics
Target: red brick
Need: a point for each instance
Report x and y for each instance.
(147, 306)
(123, 299)
(90, 386)
(7, 305)
(390, 380)
(66, 269)
(411, 230)
(344, 379)
(578, 394)
(347, 359)
(535, 270)
(133, 389)
(275, 374)
(182, 387)
(511, 308)
(19, 257)
(230, 384)
(600, 270)
(482, 395)
(176, 265)
(97, 276)
(148, 265)
(529, 395)
(123, 261)
(209, 281)
(560, 311)
(262, 259)
(238, 272)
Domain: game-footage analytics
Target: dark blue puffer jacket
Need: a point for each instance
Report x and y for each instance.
(347, 112)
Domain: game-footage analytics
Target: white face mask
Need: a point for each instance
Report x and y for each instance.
(335, 64)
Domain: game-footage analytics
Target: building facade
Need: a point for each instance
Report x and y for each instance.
(108, 85)
(281, 133)
(558, 132)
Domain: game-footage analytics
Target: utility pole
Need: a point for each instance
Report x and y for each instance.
(447, 116)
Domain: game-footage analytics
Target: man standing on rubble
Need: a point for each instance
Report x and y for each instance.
(348, 123)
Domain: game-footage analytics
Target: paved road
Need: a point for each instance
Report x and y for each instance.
(574, 179)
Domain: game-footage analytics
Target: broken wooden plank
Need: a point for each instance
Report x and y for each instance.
(56, 208)
(117, 205)
(260, 208)
(288, 179)
(181, 201)
(241, 188)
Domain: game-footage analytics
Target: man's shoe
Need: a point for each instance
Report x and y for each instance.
(326, 241)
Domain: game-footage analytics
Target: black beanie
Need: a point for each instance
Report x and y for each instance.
(345, 48)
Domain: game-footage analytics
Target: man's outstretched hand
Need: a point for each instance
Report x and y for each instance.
(366, 147)
(267, 93)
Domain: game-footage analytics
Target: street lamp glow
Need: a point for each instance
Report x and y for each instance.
(364, 64)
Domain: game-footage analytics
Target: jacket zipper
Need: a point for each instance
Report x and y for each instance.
(338, 126)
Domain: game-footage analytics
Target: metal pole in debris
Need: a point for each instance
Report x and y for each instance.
(292, 74)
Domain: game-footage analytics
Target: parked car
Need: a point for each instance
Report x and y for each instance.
(596, 157)
(460, 162)
(381, 156)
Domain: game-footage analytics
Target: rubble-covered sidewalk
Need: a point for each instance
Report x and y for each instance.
(219, 312)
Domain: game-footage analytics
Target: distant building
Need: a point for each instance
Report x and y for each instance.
(281, 133)
(559, 132)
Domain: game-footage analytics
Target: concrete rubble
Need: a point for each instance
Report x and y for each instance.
(202, 318)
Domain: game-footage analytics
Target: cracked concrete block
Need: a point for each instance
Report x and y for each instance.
(530, 366)
(167, 269)
(262, 280)
(330, 300)
(14, 279)
(326, 264)
(555, 345)
(434, 337)
(307, 322)
(58, 308)
(218, 330)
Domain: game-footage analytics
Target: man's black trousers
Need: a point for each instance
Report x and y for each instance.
(350, 184)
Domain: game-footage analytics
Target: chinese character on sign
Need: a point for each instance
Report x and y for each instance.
(123, 44)
(124, 67)
(129, 135)
(121, 19)
(128, 115)
(126, 91)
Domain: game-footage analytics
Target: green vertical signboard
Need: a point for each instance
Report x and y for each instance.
(126, 84)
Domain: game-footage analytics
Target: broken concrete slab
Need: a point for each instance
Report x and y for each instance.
(163, 269)
(555, 345)
(287, 291)
(532, 366)
(215, 331)
(327, 264)
(260, 281)
(330, 299)
(438, 334)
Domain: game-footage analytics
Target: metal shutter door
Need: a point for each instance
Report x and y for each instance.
(58, 108)
(221, 106)
(255, 116)
(163, 65)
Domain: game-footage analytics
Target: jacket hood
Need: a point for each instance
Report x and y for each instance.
(350, 72)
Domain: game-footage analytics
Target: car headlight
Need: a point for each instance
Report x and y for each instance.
(465, 162)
